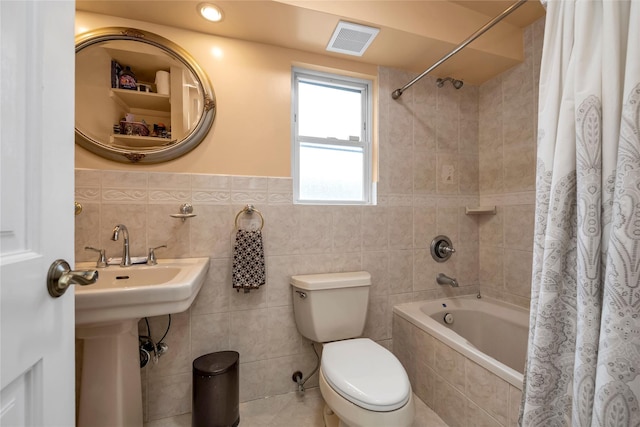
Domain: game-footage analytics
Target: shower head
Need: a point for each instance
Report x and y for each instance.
(456, 83)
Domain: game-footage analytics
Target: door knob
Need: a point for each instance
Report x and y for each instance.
(60, 277)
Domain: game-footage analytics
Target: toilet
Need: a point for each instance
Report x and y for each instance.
(363, 384)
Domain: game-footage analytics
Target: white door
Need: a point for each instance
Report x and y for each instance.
(36, 222)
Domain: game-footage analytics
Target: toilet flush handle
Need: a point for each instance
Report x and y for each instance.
(301, 294)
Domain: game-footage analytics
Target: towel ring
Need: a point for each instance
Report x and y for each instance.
(249, 209)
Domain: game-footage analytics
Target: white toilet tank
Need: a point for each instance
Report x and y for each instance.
(332, 306)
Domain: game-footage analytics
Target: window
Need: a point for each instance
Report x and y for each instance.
(331, 127)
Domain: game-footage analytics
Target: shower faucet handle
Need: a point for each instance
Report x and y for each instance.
(441, 248)
(102, 260)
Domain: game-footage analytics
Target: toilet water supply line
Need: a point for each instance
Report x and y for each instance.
(297, 375)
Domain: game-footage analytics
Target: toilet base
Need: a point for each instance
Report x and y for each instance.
(330, 418)
(348, 414)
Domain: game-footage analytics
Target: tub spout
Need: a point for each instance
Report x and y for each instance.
(443, 279)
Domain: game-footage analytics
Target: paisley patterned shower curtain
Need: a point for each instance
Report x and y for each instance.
(583, 366)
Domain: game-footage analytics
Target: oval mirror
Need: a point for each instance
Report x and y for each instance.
(140, 98)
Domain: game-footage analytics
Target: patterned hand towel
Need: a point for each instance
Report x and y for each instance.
(248, 261)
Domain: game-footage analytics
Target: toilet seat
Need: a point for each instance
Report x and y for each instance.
(366, 374)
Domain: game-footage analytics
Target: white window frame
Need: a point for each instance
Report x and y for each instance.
(365, 138)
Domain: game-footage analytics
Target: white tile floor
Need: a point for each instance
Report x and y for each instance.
(291, 410)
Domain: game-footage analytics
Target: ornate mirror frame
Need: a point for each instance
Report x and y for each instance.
(161, 153)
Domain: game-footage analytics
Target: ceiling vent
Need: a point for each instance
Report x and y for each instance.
(351, 39)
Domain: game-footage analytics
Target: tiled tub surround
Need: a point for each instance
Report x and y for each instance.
(507, 155)
(461, 384)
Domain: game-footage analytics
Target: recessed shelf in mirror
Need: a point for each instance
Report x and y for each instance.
(144, 100)
(140, 141)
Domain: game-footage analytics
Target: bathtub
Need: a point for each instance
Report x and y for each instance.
(476, 361)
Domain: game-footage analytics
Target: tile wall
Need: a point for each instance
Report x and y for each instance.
(507, 154)
(440, 150)
(298, 239)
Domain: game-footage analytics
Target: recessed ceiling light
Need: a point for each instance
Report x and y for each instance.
(210, 12)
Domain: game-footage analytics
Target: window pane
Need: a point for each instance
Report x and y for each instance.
(331, 172)
(329, 112)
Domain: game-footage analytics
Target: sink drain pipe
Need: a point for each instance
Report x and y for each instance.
(148, 346)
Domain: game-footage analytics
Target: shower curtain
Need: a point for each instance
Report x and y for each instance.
(583, 363)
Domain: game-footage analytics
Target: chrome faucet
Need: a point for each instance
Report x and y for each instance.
(443, 279)
(151, 259)
(126, 256)
(102, 260)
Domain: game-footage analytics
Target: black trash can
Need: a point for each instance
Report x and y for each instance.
(216, 390)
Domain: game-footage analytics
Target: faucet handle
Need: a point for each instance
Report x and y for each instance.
(441, 248)
(444, 250)
(102, 260)
(151, 259)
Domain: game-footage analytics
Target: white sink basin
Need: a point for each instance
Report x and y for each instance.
(123, 293)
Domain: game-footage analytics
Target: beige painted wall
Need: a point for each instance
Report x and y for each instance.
(251, 134)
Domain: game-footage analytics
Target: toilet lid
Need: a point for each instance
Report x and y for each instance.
(366, 374)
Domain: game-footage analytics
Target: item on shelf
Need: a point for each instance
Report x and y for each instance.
(134, 128)
(128, 79)
(144, 87)
(160, 130)
(116, 69)
(116, 128)
(162, 82)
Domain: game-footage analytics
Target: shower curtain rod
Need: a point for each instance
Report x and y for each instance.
(398, 92)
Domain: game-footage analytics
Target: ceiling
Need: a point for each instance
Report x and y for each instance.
(413, 34)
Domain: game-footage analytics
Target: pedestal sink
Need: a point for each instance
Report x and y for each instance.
(107, 315)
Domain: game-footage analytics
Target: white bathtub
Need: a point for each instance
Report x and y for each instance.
(491, 333)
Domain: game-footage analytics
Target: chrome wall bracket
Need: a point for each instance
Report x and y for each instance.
(186, 211)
